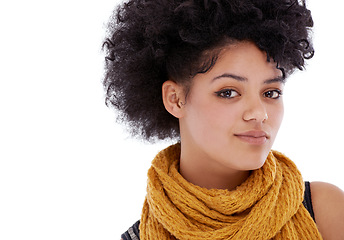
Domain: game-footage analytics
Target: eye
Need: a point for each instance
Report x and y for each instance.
(227, 93)
(273, 94)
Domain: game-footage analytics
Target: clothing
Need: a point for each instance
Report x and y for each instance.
(268, 205)
(133, 232)
(307, 200)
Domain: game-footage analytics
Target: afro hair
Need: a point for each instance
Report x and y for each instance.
(151, 41)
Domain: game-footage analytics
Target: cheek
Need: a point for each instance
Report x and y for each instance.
(276, 116)
(218, 120)
(207, 118)
(227, 116)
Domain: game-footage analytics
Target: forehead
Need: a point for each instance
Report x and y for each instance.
(246, 60)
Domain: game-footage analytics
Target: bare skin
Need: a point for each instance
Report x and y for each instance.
(328, 206)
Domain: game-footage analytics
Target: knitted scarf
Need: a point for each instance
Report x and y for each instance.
(268, 205)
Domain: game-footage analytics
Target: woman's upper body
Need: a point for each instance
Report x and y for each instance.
(211, 73)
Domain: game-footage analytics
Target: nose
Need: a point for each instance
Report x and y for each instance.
(255, 111)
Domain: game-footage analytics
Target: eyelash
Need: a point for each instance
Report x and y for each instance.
(230, 91)
(221, 93)
(279, 92)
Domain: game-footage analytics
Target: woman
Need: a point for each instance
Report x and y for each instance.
(210, 74)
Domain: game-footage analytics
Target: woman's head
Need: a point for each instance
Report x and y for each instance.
(150, 42)
(232, 112)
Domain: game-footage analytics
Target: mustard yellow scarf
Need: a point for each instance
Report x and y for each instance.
(268, 205)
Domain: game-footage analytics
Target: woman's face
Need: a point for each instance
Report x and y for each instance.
(233, 112)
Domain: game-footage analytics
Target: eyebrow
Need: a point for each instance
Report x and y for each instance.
(280, 79)
(229, 75)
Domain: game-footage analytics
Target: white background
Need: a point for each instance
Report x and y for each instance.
(68, 171)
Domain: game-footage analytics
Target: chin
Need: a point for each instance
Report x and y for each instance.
(256, 162)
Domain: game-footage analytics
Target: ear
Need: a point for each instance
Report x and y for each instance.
(173, 97)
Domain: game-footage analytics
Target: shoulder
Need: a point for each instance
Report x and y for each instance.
(328, 206)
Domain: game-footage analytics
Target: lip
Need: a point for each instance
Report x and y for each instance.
(253, 137)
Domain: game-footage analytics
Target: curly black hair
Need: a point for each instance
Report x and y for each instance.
(151, 41)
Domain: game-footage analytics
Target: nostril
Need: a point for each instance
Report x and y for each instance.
(259, 116)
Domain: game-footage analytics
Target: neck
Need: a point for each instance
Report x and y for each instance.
(209, 174)
(211, 180)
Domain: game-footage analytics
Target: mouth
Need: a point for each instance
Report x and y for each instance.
(253, 137)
